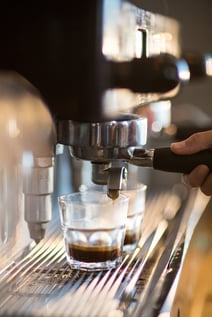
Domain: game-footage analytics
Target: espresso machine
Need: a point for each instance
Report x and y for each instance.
(93, 68)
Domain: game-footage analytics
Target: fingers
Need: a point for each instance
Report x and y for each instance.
(197, 177)
(200, 177)
(206, 187)
(195, 143)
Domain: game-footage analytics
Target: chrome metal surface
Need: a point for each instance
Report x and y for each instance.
(141, 157)
(116, 176)
(39, 282)
(28, 138)
(101, 141)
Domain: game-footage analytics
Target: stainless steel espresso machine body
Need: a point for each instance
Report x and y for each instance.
(94, 66)
(91, 67)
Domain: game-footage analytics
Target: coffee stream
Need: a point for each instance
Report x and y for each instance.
(113, 193)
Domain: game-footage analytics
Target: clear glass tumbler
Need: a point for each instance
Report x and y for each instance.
(137, 200)
(94, 229)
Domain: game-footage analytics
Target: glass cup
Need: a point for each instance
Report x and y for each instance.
(94, 229)
(137, 200)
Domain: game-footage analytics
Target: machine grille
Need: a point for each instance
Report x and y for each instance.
(39, 282)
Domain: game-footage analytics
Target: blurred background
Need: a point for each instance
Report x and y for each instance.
(195, 18)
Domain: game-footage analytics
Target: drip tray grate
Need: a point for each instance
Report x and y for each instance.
(42, 284)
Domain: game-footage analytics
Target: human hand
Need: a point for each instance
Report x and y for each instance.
(200, 176)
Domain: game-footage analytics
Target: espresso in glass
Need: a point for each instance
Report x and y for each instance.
(137, 196)
(93, 253)
(101, 249)
(94, 229)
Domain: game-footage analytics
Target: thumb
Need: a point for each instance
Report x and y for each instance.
(195, 143)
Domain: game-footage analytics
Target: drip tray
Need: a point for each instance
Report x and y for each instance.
(41, 283)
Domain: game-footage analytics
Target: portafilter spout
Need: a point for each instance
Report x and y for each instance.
(103, 144)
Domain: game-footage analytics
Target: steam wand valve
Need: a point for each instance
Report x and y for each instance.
(38, 187)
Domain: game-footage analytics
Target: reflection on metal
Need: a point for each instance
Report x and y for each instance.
(40, 282)
(208, 64)
(27, 138)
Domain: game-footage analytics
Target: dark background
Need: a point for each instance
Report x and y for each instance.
(37, 43)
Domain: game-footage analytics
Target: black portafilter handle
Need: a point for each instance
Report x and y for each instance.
(165, 160)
